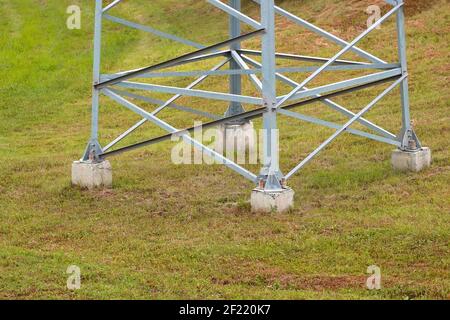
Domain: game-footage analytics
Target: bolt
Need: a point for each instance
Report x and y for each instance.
(262, 184)
(412, 144)
(92, 154)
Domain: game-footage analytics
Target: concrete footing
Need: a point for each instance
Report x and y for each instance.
(238, 138)
(92, 175)
(272, 202)
(411, 161)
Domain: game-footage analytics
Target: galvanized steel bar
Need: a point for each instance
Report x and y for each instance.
(93, 148)
(111, 5)
(245, 67)
(96, 71)
(271, 165)
(235, 13)
(235, 80)
(404, 87)
(161, 102)
(290, 56)
(342, 84)
(190, 92)
(248, 71)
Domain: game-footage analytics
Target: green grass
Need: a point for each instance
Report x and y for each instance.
(169, 231)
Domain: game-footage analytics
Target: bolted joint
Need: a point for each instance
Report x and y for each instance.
(270, 105)
(271, 182)
(410, 141)
(93, 152)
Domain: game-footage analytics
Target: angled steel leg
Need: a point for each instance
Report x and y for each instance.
(270, 175)
(93, 148)
(235, 80)
(408, 137)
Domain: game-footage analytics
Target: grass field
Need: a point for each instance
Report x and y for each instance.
(167, 231)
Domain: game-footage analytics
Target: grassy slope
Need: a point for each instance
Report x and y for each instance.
(186, 232)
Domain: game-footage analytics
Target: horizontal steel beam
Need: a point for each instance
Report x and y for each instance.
(191, 92)
(296, 57)
(255, 100)
(248, 71)
(173, 62)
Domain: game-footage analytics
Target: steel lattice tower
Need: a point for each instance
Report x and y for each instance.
(270, 181)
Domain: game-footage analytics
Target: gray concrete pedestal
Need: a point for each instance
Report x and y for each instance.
(272, 201)
(238, 137)
(411, 161)
(91, 174)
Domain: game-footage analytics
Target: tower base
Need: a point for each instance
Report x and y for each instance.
(411, 161)
(272, 201)
(92, 175)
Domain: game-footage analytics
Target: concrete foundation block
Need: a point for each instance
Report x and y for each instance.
(411, 161)
(92, 175)
(237, 137)
(272, 202)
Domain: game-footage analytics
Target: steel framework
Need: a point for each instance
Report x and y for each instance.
(264, 76)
